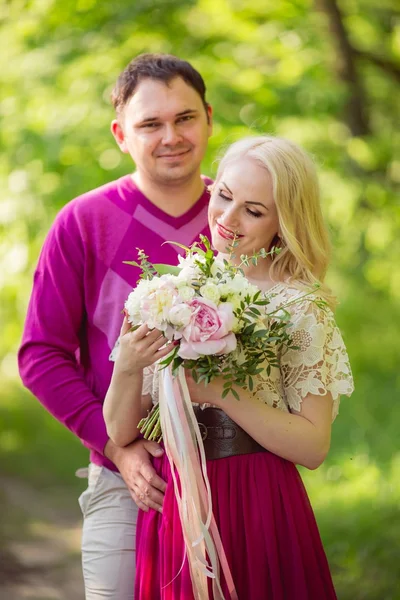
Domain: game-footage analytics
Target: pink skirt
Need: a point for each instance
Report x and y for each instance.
(267, 527)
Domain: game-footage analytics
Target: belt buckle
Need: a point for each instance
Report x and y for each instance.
(203, 431)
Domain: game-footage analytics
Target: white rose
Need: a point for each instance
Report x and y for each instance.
(224, 290)
(240, 284)
(186, 293)
(180, 315)
(234, 286)
(210, 292)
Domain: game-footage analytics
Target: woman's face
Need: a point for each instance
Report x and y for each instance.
(242, 202)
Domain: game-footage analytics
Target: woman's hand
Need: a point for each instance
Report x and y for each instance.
(205, 394)
(140, 348)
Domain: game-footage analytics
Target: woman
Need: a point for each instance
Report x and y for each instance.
(266, 194)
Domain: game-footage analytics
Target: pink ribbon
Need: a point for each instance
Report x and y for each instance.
(185, 452)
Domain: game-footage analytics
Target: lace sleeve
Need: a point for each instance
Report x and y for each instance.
(149, 383)
(150, 377)
(321, 364)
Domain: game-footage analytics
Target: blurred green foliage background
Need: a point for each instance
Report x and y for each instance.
(324, 74)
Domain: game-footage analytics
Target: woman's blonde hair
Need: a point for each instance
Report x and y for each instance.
(305, 253)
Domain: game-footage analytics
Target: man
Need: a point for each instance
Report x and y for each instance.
(163, 121)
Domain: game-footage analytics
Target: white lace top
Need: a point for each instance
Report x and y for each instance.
(320, 365)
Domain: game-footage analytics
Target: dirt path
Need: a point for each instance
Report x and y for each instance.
(39, 543)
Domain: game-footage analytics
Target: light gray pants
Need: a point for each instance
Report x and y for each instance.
(108, 536)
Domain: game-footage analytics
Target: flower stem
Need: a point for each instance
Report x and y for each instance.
(150, 426)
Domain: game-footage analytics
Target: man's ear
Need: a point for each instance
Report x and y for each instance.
(119, 135)
(209, 119)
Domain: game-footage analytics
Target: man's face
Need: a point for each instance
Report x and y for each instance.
(165, 129)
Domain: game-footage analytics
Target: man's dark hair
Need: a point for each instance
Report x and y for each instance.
(161, 67)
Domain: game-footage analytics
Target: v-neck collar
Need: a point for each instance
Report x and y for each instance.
(165, 217)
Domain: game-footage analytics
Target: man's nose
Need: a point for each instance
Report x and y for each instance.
(171, 135)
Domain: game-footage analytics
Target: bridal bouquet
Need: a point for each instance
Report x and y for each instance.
(220, 319)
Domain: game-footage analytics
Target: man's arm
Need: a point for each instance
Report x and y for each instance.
(47, 357)
(50, 370)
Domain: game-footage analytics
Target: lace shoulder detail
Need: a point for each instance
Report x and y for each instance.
(320, 364)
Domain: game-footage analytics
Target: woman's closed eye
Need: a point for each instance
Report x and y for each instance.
(221, 195)
(253, 213)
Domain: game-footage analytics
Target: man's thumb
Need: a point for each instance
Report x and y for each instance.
(154, 449)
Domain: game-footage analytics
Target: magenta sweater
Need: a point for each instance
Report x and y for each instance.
(80, 285)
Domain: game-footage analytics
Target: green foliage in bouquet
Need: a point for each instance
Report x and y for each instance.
(258, 332)
(255, 344)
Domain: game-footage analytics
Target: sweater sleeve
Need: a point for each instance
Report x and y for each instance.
(47, 358)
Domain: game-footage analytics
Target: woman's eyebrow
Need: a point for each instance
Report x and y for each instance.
(223, 182)
(258, 203)
(247, 201)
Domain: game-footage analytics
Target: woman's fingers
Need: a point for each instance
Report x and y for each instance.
(164, 351)
(147, 344)
(154, 340)
(159, 343)
(154, 335)
(144, 332)
(141, 332)
(125, 326)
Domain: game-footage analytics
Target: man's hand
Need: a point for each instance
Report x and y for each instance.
(134, 463)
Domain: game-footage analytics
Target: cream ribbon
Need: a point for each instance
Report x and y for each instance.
(185, 451)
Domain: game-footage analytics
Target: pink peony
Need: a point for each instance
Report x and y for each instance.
(209, 330)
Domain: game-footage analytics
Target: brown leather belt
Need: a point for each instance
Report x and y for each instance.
(222, 437)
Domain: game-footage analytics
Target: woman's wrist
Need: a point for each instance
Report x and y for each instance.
(126, 373)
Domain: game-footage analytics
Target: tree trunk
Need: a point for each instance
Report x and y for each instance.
(356, 116)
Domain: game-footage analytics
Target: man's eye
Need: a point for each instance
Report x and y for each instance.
(185, 118)
(150, 125)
